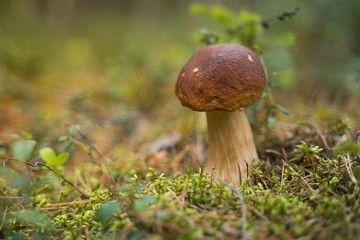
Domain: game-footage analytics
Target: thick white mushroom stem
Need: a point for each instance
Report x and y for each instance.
(230, 143)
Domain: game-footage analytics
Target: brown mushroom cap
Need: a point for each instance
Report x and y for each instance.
(221, 77)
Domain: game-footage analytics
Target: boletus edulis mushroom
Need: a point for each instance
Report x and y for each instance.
(221, 80)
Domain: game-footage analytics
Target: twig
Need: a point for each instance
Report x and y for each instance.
(238, 194)
(101, 156)
(19, 203)
(3, 218)
(258, 213)
(281, 17)
(273, 152)
(306, 183)
(282, 176)
(266, 133)
(51, 169)
(349, 169)
(358, 141)
(194, 206)
(284, 155)
(321, 136)
(172, 192)
(6, 160)
(266, 24)
(252, 168)
(240, 177)
(86, 231)
(60, 175)
(330, 191)
(1, 197)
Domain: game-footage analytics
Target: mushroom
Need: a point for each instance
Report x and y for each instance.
(221, 80)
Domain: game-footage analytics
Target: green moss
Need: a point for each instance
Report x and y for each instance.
(311, 200)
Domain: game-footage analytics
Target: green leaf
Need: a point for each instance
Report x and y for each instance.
(17, 181)
(264, 95)
(27, 135)
(73, 130)
(22, 150)
(16, 136)
(281, 108)
(216, 13)
(63, 139)
(60, 160)
(33, 218)
(208, 38)
(47, 154)
(50, 158)
(271, 120)
(141, 204)
(109, 210)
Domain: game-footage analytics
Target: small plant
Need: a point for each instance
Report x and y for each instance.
(310, 154)
(23, 146)
(51, 159)
(246, 28)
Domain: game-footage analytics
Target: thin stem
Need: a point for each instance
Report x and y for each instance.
(101, 156)
(306, 183)
(252, 168)
(282, 176)
(242, 200)
(60, 175)
(51, 169)
(358, 141)
(266, 133)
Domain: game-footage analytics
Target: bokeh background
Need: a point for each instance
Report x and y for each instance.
(110, 67)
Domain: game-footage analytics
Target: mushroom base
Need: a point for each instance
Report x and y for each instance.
(230, 143)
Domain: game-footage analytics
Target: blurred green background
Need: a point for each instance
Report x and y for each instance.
(111, 66)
